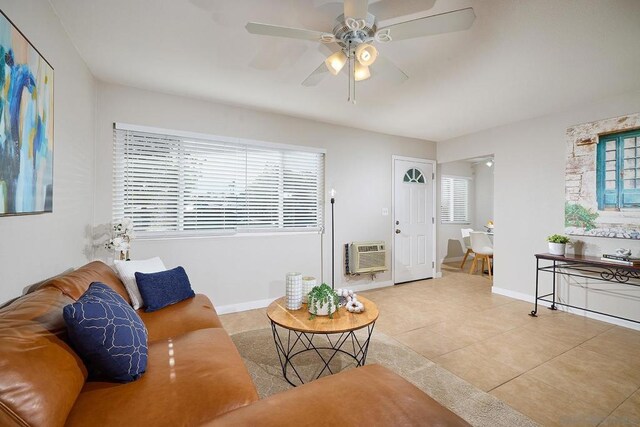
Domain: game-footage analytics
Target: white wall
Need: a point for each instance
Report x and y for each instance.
(38, 246)
(448, 235)
(529, 195)
(483, 192)
(241, 269)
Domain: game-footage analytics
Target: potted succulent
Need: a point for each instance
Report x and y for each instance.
(322, 301)
(557, 244)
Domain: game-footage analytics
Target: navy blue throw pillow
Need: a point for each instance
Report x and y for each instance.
(108, 334)
(164, 288)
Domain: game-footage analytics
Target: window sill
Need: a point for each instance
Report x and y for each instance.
(187, 236)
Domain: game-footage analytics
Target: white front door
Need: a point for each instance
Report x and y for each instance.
(414, 220)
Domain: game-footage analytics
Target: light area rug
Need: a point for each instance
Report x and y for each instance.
(474, 405)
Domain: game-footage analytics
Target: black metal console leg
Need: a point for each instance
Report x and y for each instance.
(534, 313)
(553, 299)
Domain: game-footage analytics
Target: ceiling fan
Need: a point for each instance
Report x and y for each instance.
(351, 42)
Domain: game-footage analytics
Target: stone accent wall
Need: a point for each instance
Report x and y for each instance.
(580, 176)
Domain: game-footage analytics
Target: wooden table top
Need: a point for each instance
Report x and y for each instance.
(587, 259)
(343, 321)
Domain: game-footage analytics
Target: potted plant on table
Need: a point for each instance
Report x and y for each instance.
(557, 244)
(322, 301)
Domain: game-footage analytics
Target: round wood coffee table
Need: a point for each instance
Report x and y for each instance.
(294, 332)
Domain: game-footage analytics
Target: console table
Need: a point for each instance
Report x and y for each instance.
(586, 267)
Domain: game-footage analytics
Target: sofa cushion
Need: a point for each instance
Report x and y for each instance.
(107, 333)
(77, 282)
(164, 288)
(127, 270)
(367, 396)
(40, 375)
(190, 379)
(193, 314)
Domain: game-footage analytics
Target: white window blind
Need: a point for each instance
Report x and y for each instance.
(172, 183)
(454, 204)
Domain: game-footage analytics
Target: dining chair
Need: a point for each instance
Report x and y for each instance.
(466, 244)
(483, 250)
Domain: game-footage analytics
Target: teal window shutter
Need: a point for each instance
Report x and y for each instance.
(618, 171)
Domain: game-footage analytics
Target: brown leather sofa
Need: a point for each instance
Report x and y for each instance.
(195, 375)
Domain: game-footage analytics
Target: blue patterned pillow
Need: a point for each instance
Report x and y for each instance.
(164, 288)
(108, 334)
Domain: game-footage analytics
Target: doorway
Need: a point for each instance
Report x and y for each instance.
(414, 245)
(465, 200)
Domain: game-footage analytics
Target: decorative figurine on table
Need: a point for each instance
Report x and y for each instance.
(349, 300)
(623, 252)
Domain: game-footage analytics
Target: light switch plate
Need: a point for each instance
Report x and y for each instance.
(385, 211)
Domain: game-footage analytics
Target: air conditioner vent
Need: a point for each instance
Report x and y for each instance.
(367, 257)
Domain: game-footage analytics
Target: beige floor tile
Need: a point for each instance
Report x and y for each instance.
(625, 415)
(567, 327)
(548, 405)
(427, 343)
(596, 378)
(471, 329)
(521, 349)
(484, 373)
(618, 343)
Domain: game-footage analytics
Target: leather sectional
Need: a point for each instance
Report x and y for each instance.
(195, 375)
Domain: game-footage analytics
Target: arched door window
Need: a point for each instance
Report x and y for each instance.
(414, 175)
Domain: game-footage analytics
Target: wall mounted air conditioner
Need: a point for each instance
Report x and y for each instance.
(367, 257)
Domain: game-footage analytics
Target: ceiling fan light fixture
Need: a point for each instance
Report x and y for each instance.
(336, 62)
(366, 54)
(361, 72)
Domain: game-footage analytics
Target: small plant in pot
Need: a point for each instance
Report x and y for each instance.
(322, 301)
(557, 244)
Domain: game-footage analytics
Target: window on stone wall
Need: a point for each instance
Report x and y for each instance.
(618, 171)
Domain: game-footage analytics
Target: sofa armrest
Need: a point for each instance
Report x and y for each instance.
(370, 395)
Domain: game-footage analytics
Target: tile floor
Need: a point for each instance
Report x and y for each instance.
(559, 369)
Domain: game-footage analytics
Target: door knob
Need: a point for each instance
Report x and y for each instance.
(397, 231)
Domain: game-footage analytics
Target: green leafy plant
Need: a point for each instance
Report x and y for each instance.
(576, 215)
(321, 295)
(558, 238)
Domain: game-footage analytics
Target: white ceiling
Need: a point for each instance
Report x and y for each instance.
(520, 59)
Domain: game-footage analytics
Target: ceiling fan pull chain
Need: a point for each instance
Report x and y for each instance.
(350, 71)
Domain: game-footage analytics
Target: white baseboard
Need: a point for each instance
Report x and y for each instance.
(252, 305)
(512, 294)
(368, 286)
(244, 306)
(438, 275)
(455, 259)
(530, 298)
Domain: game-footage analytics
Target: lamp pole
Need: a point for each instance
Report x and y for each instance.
(333, 242)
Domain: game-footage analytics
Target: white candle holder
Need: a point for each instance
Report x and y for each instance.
(308, 283)
(293, 297)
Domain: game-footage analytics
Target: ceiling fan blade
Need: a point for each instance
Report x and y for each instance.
(279, 31)
(356, 9)
(456, 20)
(316, 76)
(388, 69)
(387, 9)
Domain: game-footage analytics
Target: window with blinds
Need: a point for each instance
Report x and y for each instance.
(176, 183)
(454, 200)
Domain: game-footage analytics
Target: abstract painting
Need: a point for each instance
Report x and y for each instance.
(602, 178)
(26, 125)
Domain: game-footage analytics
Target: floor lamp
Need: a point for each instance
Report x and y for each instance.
(333, 242)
